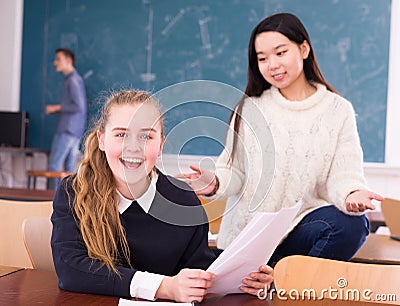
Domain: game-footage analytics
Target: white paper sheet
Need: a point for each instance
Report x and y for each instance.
(252, 248)
(124, 302)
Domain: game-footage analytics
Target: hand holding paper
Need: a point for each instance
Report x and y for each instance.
(252, 248)
(187, 285)
(261, 279)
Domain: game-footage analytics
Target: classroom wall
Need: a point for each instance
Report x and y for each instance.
(155, 44)
(11, 13)
(382, 177)
(391, 155)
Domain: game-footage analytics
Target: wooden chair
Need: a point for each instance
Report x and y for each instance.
(391, 213)
(13, 213)
(46, 174)
(36, 233)
(306, 276)
(214, 209)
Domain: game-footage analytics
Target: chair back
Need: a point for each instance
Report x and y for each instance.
(214, 209)
(36, 235)
(13, 213)
(303, 276)
(391, 213)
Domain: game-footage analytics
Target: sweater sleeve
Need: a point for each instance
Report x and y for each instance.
(232, 175)
(346, 172)
(75, 269)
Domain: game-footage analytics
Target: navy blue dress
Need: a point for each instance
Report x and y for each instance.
(172, 236)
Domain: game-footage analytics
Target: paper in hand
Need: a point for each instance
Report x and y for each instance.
(252, 247)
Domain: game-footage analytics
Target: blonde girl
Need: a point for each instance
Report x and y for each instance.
(113, 230)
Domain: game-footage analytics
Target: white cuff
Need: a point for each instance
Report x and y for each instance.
(144, 285)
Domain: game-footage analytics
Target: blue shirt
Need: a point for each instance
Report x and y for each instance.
(73, 106)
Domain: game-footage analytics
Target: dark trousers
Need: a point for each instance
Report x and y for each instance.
(325, 232)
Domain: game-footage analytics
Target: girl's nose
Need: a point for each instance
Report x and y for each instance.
(273, 63)
(132, 145)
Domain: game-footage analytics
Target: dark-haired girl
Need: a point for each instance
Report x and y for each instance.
(317, 153)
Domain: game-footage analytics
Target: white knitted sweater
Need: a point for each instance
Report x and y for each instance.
(313, 154)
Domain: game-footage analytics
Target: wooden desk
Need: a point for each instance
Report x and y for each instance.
(47, 174)
(26, 150)
(31, 287)
(4, 270)
(379, 249)
(23, 194)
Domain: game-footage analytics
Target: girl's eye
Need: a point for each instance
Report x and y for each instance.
(145, 137)
(121, 134)
(280, 53)
(262, 59)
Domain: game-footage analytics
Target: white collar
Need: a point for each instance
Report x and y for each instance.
(144, 201)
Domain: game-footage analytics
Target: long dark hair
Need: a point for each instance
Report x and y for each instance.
(290, 26)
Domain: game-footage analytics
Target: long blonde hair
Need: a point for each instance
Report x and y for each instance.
(96, 200)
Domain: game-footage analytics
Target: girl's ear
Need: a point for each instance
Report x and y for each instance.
(100, 138)
(305, 49)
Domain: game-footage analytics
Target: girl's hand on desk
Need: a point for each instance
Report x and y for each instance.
(259, 280)
(187, 286)
(202, 181)
(360, 200)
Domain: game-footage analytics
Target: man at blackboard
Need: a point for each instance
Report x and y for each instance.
(72, 115)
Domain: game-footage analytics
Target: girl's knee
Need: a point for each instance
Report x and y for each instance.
(352, 234)
(346, 236)
(354, 226)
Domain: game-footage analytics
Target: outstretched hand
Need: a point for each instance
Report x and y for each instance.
(360, 200)
(202, 181)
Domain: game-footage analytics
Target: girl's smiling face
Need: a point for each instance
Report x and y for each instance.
(280, 61)
(132, 141)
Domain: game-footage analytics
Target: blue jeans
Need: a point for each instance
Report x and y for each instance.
(325, 232)
(63, 154)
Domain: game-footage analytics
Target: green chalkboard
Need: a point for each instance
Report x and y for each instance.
(152, 44)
